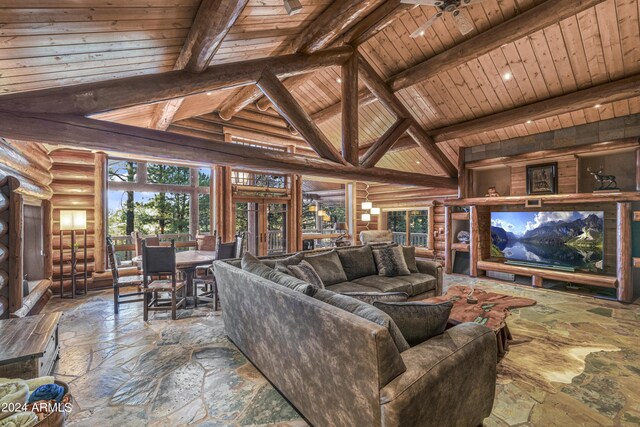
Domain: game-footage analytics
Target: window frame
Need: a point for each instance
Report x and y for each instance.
(429, 250)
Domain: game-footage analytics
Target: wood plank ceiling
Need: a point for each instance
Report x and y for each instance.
(46, 43)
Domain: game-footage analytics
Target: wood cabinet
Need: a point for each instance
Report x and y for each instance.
(29, 346)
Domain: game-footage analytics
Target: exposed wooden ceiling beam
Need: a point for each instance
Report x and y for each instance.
(379, 88)
(349, 89)
(384, 143)
(548, 13)
(210, 26)
(372, 24)
(326, 28)
(292, 112)
(119, 93)
(94, 134)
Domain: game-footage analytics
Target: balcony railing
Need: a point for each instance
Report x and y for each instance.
(417, 239)
(125, 247)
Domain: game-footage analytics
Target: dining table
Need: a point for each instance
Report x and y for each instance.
(186, 263)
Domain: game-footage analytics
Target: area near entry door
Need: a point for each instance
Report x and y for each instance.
(264, 222)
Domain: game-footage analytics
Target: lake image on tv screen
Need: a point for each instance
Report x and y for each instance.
(566, 239)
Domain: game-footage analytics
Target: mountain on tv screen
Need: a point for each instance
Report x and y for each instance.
(567, 239)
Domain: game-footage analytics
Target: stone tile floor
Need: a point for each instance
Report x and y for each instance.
(574, 360)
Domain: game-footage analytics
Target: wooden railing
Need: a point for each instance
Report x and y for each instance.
(125, 248)
(417, 239)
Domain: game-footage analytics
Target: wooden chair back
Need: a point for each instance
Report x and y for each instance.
(138, 238)
(239, 245)
(111, 254)
(206, 243)
(225, 250)
(158, 261)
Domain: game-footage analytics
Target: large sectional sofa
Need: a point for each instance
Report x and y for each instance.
(339, 368)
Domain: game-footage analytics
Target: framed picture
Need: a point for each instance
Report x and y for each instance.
(542, 179)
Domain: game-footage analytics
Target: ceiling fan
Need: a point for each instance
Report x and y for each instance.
(444, 6)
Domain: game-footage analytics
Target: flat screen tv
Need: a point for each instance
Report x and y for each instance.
(563, 239)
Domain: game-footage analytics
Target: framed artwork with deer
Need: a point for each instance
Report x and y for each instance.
(542, 179)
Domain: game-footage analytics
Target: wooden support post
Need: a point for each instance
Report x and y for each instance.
(474, 247)
(448, 229)
(462, 175)
(212, 200)
(47, 236)
(638, 169)
(99, 209)
(625, 282)
(194, 205)
(16, 246)
(298, 212)
(291, 110)
(349, 90)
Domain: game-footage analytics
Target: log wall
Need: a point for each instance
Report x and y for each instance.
(74, 187)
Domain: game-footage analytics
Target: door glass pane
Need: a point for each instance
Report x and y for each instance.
(276, 228)
(247, 222)
(419, 228)
(397, 223)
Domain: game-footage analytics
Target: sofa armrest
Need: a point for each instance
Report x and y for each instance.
(451, 375)
(433, 268)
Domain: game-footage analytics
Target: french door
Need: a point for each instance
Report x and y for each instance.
(264, 222)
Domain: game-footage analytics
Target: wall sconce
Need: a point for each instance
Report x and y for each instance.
(375, 211)
(366, 217)
(367, 205)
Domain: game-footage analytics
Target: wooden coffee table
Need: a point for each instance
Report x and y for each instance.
(491, 310)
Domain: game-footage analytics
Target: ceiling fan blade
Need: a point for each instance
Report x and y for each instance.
(464, 25)
(424, 2)
(424, 27)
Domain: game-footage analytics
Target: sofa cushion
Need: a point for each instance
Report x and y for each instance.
(253, 265)
(386, 284)
(410, 258)
(328, 267)
(371, 297)
(390, 261)
(351, 287)
(357, 262)
(366, 311)
(305, 271)
(420, 282)
(418, 321)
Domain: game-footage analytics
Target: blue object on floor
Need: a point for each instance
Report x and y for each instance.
(47, 392)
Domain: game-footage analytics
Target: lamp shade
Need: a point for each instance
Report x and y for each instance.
(321, 212)
(375, 211)
(326, 217)
(73, 220)
(366, 217)
(312, 208)
(367, 205)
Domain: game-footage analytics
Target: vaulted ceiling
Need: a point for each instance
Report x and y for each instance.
(46, 43)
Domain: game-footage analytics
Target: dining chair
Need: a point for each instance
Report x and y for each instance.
(138, 238)
(122, 281)
(227, 250)
(160, 261)
(204, 243)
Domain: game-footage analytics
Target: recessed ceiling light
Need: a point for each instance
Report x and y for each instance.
(209, 93)
(418, 161)
(597, 106)
(339, 80)
(529, 122)
(421, 33)
(507, 76)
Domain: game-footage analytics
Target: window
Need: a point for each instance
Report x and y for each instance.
(168, 174)
(411, 227)
(258, 180)
(122, 171)
(204, 209)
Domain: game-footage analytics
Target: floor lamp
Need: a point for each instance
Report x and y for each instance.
(73, 221)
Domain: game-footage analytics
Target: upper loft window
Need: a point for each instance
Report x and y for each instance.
(251, 179)
(158, 173)
(122, 170)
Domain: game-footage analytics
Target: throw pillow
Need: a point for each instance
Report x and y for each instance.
(253, 265)
(390, 261)
(418, 321)
(410, 258)
(357, 262)
(305, 271)
(371, 297)
(366, 311)
(283, 269)
(328, 267)
(293, 259)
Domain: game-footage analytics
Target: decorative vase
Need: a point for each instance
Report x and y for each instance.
(463, 236)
